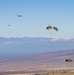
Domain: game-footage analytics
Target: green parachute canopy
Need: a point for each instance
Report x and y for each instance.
(50, 27)
(68, 60)
(55, 28)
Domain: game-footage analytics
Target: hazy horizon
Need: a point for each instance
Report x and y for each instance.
(33, 45)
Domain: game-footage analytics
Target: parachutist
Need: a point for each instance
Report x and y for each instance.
(50, 27)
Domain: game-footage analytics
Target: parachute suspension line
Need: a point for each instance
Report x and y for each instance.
(50, 35)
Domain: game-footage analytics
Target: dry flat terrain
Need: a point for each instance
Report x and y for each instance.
(68, 73)
(39, 63)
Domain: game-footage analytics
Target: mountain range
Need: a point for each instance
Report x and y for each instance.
(14, 46)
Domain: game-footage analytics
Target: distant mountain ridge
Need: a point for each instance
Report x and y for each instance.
(33, 45)
(36, 39)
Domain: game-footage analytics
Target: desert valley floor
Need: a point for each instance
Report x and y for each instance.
(38, 63)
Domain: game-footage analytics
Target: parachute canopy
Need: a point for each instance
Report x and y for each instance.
(68, 60)
(50, 27)
(55, 28)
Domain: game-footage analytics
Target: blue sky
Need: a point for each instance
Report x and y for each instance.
(36, 15)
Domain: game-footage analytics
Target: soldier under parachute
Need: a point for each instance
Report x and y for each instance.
(50, 27)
